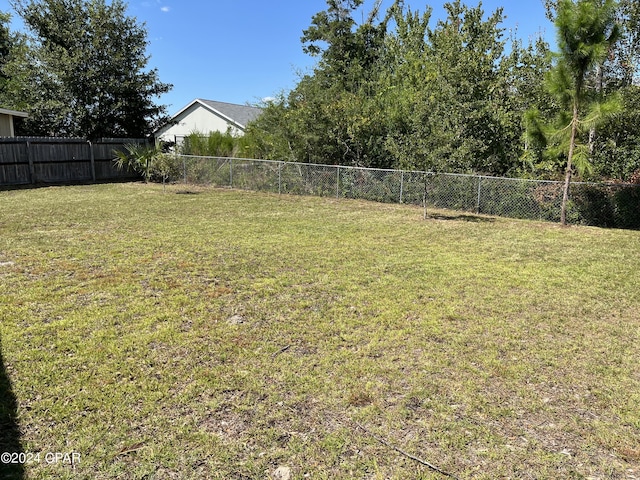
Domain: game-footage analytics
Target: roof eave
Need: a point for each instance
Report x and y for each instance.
(13, 113)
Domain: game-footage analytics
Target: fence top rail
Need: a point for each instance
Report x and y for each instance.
(208, 157)
(294, 163)
(68, 140)
(418, 172)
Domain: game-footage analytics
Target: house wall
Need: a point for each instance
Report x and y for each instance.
(196, 119)
(6, 125)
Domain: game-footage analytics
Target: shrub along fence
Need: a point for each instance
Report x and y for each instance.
(37, 160)
(606, 205)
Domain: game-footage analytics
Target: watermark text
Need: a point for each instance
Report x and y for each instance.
(48, 458)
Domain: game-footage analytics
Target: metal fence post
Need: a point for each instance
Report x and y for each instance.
(479, 192)
(231, 172)
(280, 165)
(338, 181)
(401, 184)
(184, 169)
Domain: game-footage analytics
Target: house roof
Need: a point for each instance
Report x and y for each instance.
(15, 113)
(239, 114)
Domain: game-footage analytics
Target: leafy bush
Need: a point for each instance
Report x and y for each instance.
(594, 203)
(149, 162)
(610, 206)
(214, 144)
(627, 201)
(165, 167)
(136, 158)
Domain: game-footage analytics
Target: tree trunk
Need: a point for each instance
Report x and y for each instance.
(567, 178)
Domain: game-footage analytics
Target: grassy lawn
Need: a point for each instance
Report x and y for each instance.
(223, 334)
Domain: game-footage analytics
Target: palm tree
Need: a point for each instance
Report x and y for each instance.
(586, 31)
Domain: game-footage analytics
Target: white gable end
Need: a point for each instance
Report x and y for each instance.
(196, 118)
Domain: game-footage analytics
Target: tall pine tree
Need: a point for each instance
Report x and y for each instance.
(586, 30)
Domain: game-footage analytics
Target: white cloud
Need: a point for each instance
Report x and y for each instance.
(165, 9)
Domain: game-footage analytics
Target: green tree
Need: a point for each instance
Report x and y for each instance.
(271, 134)
(620, 68)
(5, 48)
(467, 52)
(393, 92)
(617, 152)
(337, 105)
(85, 73)
(12, 44)
(586, 32)
(456, 97)
(523, 72)
(613, 146)
(627, 58)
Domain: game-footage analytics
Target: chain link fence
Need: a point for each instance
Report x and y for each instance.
(608, 205)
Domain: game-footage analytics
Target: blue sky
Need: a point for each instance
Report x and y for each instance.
(241, 51)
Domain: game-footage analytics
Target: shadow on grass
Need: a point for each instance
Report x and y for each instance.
(462, 218)
(9, 429)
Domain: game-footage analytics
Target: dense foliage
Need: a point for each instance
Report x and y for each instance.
(217, 144)
(82, 71)
(458, 96)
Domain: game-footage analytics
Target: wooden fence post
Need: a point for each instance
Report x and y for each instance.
(93, 161)
(32, 170)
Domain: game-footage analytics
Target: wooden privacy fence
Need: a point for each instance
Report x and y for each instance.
(37, 160)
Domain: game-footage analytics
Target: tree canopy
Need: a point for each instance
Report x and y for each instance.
(83, 71)
(460, 95)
